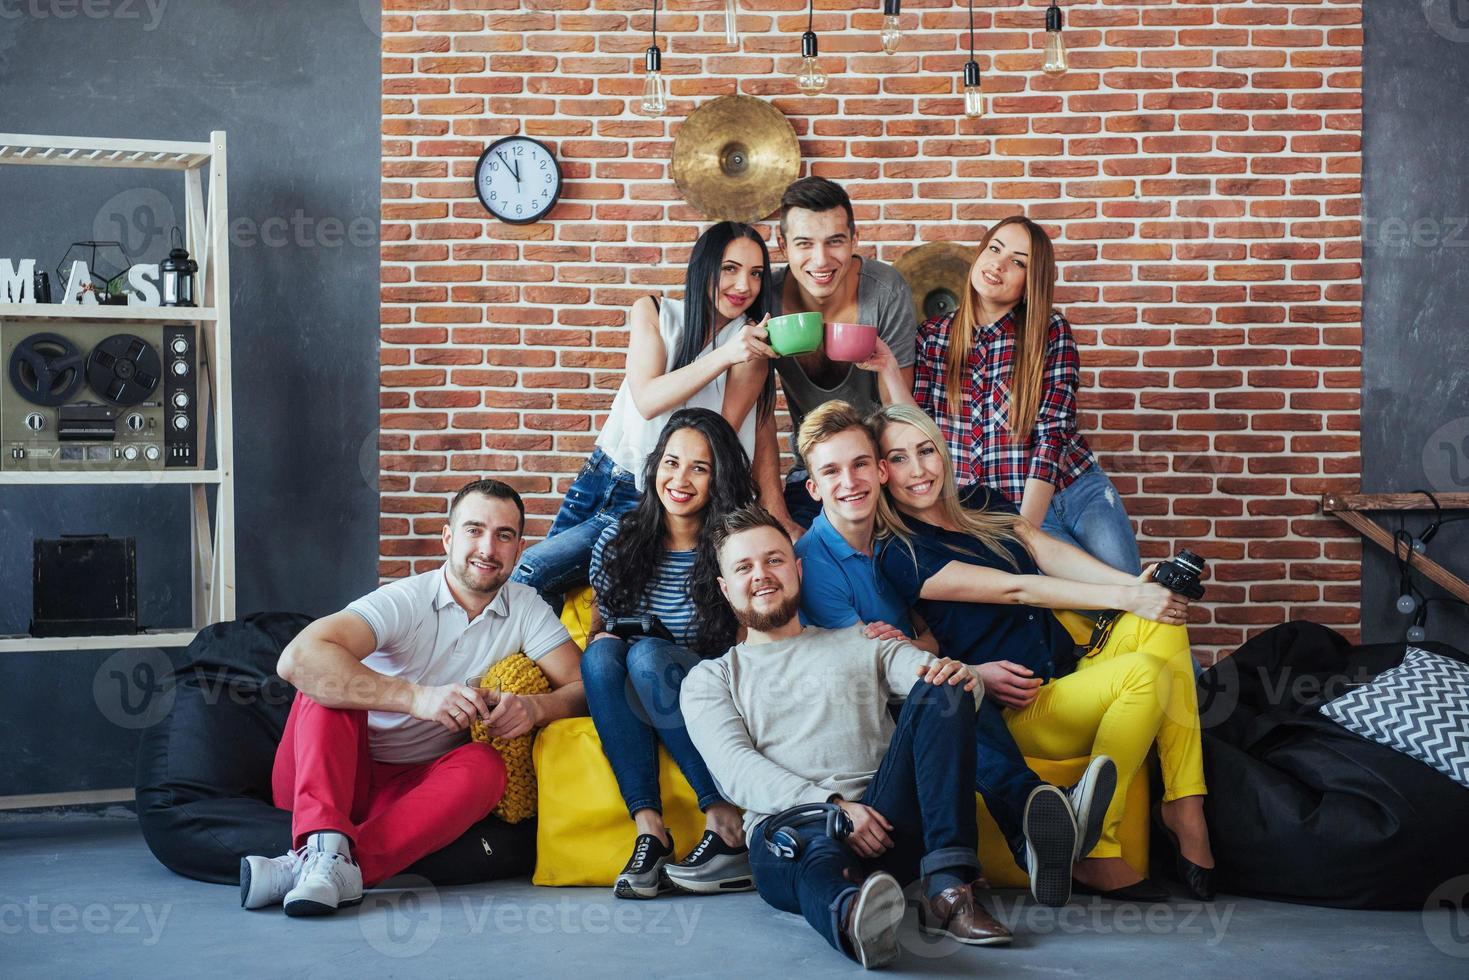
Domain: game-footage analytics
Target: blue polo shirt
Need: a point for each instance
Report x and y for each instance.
(841, 587)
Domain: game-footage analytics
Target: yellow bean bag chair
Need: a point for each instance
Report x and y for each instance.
(585, 834)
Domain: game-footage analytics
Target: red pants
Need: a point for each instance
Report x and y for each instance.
(394, 814)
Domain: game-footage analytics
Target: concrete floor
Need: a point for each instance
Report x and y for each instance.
(81, 896)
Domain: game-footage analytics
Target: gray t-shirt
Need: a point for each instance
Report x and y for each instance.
(792, 722)
(883, 300)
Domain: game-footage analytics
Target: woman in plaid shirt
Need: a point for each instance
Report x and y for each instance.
(999, 377)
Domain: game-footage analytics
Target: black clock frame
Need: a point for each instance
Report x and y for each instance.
(479, 191)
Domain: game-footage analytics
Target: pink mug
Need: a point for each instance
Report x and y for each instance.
(850, 341)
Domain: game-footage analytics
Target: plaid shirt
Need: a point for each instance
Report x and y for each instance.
(979, 437)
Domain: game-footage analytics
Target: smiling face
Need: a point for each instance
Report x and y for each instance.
(483, 542)
(916, 477)
(998, 275)
(846, 475)
(819, 247)
(761, 578)
(741, 272)
(684, 473)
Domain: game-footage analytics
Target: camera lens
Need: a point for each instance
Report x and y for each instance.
(1190, 561)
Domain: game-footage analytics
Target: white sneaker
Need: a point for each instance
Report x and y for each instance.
(265, 881)
(327, 881)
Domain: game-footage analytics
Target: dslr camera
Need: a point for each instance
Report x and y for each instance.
(1181, 575)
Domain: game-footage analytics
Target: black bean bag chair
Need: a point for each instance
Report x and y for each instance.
(203, 774)
(1302, 810)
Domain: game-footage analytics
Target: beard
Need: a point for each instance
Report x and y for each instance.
(763, 622)
(478, 580)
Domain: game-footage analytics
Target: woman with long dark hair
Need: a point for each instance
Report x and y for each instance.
(707, 350)
(999, 377)
(658, 561)
(981, 579)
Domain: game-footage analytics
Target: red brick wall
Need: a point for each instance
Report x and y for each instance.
(1198, 168)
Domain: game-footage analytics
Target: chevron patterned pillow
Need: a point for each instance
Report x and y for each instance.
(1420, 708)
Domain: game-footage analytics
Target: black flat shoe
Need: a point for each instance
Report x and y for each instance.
(1198, 881)
(1145, 892)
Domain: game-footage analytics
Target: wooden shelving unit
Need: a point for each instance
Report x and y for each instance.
(206, 236)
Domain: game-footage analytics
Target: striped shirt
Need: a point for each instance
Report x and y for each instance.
(668, 593)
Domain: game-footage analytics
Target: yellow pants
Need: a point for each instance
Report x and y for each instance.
(1137, 689)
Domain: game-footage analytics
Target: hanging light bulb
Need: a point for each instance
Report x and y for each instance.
(1055, 63)
(892, 33)
(655, 87)
(731, 23)
(811, 79)
(973, 96)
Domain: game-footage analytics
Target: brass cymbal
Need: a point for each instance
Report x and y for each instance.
(733, 158)
(938, 274)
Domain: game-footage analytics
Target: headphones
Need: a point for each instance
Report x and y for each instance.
(780, 834)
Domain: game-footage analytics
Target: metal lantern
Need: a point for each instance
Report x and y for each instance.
(177, 273)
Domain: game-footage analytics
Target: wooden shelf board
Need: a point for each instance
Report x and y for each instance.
(121, 641)
(150, 314)
(133, 477)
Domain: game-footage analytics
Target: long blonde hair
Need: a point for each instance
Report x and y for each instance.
(992, 530)
(1030, 339)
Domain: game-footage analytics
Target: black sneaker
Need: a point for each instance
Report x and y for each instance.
(643, 875)
(712, 867)
(1050, 844)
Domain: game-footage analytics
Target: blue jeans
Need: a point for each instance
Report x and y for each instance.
(1002, 776)
(1090, 515)
(600, 495)
(922, 788)
(632, 693)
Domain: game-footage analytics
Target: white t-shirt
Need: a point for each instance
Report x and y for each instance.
(424, 636)
(628, 438)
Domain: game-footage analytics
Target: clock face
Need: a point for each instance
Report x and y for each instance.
(517, 179)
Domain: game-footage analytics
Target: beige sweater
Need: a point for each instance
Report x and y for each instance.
(792, 722)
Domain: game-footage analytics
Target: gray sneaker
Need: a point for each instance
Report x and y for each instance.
(643, 876)
(1090, 798)
(713, 867)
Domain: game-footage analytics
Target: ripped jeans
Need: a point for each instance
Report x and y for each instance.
(1090, 515)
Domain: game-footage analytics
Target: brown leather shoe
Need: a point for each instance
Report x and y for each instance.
(870, 929)
(957, 912)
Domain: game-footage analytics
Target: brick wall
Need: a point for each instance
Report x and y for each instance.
(1198, 168)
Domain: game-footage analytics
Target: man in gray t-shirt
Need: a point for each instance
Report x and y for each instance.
(797, 717)
(824, 275)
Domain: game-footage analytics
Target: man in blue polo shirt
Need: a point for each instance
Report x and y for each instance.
(842, 586)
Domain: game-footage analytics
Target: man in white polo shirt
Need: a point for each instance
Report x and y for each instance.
(375, 763)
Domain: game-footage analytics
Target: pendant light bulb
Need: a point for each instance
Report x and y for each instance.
(892, 31)
(731, 23)
(655, 87)
(973, 95)
(1055, 63)
(811, 79)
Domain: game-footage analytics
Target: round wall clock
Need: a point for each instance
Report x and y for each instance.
(517, 179)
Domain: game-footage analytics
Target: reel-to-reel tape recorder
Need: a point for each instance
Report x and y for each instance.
(83, 396)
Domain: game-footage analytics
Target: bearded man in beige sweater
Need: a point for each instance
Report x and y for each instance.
(798, 717)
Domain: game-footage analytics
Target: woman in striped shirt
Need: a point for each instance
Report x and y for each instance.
(657, 560)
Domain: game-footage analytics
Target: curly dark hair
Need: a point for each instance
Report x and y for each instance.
(631, 556)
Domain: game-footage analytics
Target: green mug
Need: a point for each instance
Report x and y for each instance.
(795, 333)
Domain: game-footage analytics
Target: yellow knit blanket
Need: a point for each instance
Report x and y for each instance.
(517, 674)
